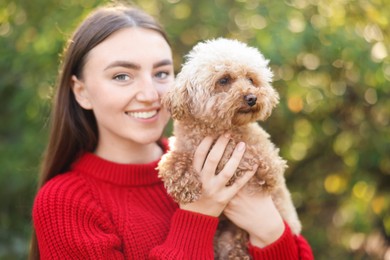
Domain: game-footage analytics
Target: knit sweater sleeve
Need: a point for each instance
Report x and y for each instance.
(190, 237)
(287, 247)
(69, 223)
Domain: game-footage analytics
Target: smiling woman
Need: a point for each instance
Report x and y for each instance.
(116, 67)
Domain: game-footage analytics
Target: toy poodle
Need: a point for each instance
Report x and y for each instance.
(225, 87)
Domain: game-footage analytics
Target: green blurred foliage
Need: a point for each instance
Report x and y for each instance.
(332, 70)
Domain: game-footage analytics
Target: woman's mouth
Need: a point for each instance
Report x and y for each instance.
(143, 115)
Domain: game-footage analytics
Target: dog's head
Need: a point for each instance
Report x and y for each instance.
(223, 82)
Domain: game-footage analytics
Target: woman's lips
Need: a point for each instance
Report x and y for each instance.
(143, 114)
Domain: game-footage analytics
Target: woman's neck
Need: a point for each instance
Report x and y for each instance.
(129, 153)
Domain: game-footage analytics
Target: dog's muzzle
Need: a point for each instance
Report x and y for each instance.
(250, 99)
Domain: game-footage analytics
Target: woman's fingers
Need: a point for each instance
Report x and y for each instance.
(214, 156)
(232, 190)
(240, 182)
(201, 153)
(231, 165)
(206, 159)
(215, 194)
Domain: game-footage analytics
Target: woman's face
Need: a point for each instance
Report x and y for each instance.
(122, 82)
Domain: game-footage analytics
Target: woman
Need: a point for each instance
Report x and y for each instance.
(99, 196)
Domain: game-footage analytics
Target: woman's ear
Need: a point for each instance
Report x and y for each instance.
(80, 93)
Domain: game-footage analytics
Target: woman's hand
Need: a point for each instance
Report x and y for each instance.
(256, 214)
(215, 194)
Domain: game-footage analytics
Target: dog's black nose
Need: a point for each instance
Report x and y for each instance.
(250, 99)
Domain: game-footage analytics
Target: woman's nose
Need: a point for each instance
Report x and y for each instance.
(148, 91)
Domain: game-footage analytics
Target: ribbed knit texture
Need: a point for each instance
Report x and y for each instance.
(287, 247)
(105, 210)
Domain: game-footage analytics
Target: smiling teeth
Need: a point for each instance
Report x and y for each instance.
(143, 115)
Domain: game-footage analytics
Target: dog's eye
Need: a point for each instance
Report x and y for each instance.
(251, 81)
(224, 81)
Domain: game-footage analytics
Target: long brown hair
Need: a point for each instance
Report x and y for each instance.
(73, 130)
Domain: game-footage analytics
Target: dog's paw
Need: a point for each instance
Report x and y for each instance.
(188, 190)
(239, 253)
(263, 180)
(180, 179)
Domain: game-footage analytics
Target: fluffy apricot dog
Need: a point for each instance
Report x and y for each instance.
(225, 86)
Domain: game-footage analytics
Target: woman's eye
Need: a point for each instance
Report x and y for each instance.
(122, 77)
(162, 75)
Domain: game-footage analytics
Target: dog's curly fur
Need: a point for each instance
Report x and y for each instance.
(225, 86)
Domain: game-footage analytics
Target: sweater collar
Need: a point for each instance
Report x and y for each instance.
(116, 173)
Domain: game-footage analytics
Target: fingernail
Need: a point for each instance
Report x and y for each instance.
(241, 146)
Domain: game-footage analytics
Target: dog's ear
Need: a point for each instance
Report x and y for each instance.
(176, 100)
(271, 101)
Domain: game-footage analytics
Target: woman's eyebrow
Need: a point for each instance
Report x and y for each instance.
(162, 63)
(135, 66)
(124, 64)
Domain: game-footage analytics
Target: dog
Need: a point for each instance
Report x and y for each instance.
(225, 86)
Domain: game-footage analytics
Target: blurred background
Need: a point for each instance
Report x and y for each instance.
(332, 70)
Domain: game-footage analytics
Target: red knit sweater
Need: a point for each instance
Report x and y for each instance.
(105, 210)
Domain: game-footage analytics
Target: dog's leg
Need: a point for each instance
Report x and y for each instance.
(264, 179)
(180, 179)
(240, 250)
(283, 202)
(270, 178)
(230, 241)
(223, 239)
